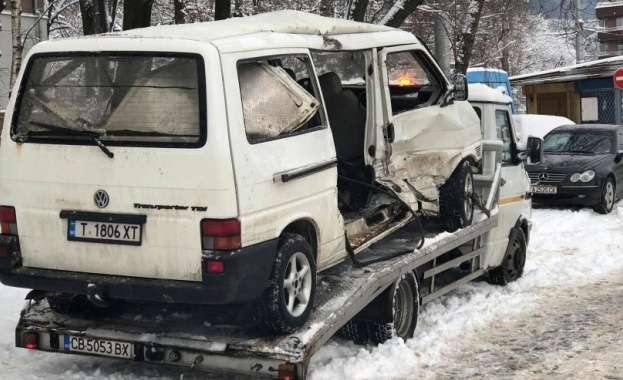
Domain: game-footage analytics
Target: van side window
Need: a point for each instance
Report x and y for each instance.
(479, 113)
(274, 104)
(620, 148)
(413, 82)
(505, 134)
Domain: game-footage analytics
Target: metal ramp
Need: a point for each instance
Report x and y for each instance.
(189, 337)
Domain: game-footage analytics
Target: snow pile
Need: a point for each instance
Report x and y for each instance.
(568, 248)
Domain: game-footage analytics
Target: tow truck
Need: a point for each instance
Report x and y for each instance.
(350, 295)
(370, 297)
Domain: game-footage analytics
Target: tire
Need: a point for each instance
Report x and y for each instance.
(606, 203)
(456, 207)
(405, 304)
(357, 331)
(71, 305)
(288, 301)
(514, 261)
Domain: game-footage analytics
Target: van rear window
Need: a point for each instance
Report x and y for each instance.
(116, 98)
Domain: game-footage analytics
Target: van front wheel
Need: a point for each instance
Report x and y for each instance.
(287, 302)
(456, 207)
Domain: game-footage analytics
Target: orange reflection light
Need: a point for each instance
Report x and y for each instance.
(405, 82)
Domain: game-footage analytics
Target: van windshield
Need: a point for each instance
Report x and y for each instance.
(131, 100)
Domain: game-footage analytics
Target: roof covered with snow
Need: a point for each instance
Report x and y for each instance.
(287, 21)
(478, 92)
(595, 69)
(264, 31)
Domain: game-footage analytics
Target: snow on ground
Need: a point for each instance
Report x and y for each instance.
(550, 322)
(567, 249)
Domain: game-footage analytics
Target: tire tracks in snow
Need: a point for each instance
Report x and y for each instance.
(572, 333)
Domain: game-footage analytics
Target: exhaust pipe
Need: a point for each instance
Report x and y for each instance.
(96, 296)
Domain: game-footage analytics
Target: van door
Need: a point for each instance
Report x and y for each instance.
(514, 185)
(424, 139)
(284, 155)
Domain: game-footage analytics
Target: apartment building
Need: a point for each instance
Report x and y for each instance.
(610, 17)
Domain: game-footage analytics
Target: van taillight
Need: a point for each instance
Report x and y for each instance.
(220, 234)
(287, 371)
(8, 220)
(30, 340)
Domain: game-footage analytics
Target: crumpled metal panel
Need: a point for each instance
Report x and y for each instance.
(166, 101)
(273, 103)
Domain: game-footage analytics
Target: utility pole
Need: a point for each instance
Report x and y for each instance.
(443, 52)
(579, 33)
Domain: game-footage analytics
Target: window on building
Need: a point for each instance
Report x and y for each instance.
(619, 21)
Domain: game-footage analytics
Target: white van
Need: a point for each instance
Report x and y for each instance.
(224, 162)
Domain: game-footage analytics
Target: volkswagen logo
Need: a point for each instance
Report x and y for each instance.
(543, 177)
(101, 198)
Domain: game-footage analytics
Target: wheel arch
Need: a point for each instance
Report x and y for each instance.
(524, 225)
(306, 228)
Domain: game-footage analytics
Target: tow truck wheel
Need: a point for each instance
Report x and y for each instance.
(357, 331)
(405, 304)
(456, 207)
(512, 266)
(289, 298)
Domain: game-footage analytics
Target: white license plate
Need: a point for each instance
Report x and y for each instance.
(544, 189)
(104, 232)
(98, 346)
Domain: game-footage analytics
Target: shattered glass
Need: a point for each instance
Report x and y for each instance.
(273, 103)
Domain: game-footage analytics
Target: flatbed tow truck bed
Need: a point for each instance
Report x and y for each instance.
(162, 334)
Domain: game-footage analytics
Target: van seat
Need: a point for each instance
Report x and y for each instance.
(347, 119)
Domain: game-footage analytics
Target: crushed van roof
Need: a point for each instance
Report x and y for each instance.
(287, 21)
(264, 31)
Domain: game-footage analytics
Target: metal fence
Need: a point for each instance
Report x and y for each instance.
(608, 103)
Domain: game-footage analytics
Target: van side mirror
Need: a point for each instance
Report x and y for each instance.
(459, 82)
(535, 150)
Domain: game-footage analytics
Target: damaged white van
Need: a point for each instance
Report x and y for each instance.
(224, 162)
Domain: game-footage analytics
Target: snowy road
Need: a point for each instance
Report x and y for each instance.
(562, 320)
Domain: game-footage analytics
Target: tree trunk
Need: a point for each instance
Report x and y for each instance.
(399, 11)
(359, 9)
(326, 8)
(179, 9)
(222, 9)
(16, 35)
(94, 17)
(136, 14)
(466, 37)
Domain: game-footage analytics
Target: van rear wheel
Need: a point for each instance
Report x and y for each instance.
(514, 261)
(288, 301)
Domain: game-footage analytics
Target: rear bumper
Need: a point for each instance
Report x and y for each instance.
(246, 276)
(572, 195)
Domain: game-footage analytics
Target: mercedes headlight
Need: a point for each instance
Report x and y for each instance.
(583, 177)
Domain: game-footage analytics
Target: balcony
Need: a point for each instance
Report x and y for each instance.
(608, 54)
(608, 9)
(602, 4)
(612, 36)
